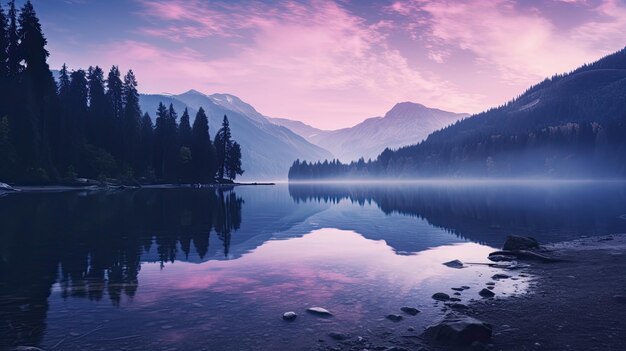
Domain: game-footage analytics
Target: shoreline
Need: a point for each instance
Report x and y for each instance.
(577, 303)
(60, 187)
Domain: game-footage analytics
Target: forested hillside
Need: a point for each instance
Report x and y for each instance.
(571, 125)
(86, 125)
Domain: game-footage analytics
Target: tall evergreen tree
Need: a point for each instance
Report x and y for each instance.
(64, 82)
(115, 100)
(13, 57)
(202, 152)
(75, 115)
(233, 162)
(39, 92)
(166, 142)
(159, 140)
(132, 120)
(146, 149)
(184, 130)
(223, 144)
(97, 124)
(4, 46)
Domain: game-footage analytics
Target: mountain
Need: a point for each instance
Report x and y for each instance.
(267, 149)
(406, 123)
(571, 125)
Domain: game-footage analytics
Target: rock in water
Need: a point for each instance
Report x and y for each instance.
(338, 336)
(441, 296)
(289, 316)
(500, 276)
(319, 311)
(454, 264)
(501, 258)
(515, 242)
(410, 310)
(486, 293)
(394, 317)
(459, 330)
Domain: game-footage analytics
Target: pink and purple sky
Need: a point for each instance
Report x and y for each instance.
(333, 63)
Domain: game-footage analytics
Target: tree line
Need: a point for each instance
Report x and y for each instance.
(90, 126)
(568, 126)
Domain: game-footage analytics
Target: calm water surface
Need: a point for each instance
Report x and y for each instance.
(192, 269)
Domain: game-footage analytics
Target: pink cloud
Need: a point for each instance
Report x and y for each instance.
(524, 45)
(314, 55)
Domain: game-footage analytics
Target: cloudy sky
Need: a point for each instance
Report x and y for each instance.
(333, 63)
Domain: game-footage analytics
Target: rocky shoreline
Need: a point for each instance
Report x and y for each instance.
(577, 301)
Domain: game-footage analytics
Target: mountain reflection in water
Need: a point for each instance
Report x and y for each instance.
(131, 253)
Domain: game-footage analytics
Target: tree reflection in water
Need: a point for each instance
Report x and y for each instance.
(92, 244)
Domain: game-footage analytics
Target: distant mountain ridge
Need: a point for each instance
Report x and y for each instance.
(407, 123)
(267, 149)
(568, 126)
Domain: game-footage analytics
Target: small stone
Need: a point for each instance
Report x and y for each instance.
(458, 289)
(457, 306)
(490, 283)
(454, 264)
(486, 293)
(500, 276)
(394, 317)
(459, 329)
(455, 299)
(457, 293)
(338, 336)
(465, 287)
(411, 329)
(289, 316)
(441, 296)
(319, 311)
(410, 310)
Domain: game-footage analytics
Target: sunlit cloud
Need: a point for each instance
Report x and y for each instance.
(334, 63)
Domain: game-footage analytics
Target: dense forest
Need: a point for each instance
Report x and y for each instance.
(571, 125)
(85, 125)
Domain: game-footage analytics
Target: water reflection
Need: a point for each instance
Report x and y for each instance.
(487, 213)
(125, 262)
(93, 245)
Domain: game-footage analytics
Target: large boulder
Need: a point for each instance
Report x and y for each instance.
(458, 330)
(515, 242)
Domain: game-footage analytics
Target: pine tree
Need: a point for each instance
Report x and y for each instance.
(202, 152)
(233, 162)
(131, 122)
(4, 47)
(115, 108)
(146, 150)
(159, 140)
(97, 124)
(13, 63)
(39, 88)
(184, 130)
(64, 82)
(75, 115)
(223, 144)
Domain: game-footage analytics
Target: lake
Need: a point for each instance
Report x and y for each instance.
(205, 269)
